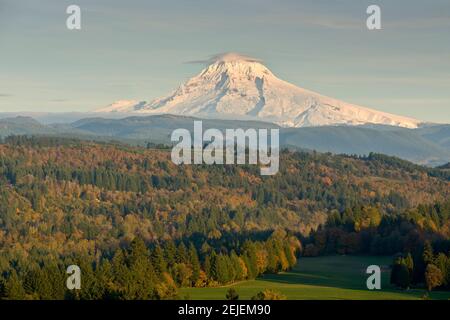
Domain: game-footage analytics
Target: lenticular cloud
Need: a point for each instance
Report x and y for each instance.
(227, 56)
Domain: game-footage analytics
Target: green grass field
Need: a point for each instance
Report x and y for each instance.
(327, 278)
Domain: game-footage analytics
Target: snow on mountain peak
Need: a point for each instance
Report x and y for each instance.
(240, 87)
(122, 106)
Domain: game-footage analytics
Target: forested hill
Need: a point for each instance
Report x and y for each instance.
(128, 215)
(61, 195)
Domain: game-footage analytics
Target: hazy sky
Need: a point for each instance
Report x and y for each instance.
(139, 49)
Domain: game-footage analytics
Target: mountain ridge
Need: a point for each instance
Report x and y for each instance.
(426, 145)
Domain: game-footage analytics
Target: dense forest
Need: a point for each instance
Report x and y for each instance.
(140, 227)
(419, 240)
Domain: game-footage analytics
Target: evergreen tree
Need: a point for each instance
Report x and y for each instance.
(170, 251)
(195, 263)
(403, 277)
(428, 254)
(121, 276)
(141, 272)
(182, 254)
(13, 288)
(158, 260)
(104, 274)
(409, 262)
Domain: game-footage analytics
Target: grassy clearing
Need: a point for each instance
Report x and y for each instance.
(329, 278)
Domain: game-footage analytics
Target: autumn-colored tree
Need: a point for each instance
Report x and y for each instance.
(269, 294)
(433, 277)
(232, 294)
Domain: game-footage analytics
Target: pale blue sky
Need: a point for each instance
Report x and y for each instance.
(139, 49)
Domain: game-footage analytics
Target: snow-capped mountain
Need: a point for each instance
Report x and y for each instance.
(233, 86)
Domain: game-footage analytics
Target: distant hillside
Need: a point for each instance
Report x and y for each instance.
(429, 145)
(445, 166)
(155, 128)
(408, 144)
(22, 126)
(439, 134)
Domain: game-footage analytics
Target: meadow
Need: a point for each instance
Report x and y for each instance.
(321, 278)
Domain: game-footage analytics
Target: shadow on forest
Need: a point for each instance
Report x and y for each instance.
(311, 280)
(227, 240)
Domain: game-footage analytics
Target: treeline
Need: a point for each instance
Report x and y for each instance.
(40, 141)
(419, 239)
(366, 230)
(423, 267)
(394, 162)
(142, 272)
